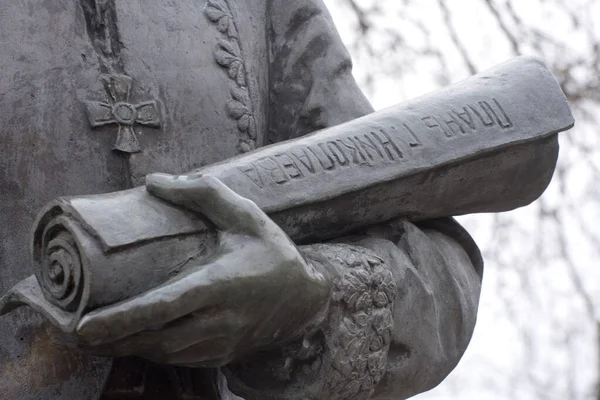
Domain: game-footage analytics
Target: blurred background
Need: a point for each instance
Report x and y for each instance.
(538, 332)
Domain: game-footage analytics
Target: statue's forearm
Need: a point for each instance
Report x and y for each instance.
(350, 344)
(396, 290)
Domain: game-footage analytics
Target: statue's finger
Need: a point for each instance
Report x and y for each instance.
(203, 288)
(211, 197)
(210, 353)
(174, 344)
(172, 300)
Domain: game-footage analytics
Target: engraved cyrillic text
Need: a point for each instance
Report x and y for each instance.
(376, 147)
(469, 119)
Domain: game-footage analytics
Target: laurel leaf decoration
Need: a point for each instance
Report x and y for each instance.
(228, 55)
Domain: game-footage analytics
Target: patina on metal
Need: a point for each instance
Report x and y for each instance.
(323, 266)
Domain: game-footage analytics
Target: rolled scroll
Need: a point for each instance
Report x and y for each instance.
(486, 144)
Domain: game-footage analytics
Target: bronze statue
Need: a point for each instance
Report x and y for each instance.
(324, 267)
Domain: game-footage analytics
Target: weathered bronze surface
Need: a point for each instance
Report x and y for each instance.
(343, 278)
(85, 257)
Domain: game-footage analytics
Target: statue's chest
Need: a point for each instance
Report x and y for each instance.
(95, 94)
(191, 88)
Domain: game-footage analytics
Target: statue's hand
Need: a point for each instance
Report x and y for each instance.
(257, 291)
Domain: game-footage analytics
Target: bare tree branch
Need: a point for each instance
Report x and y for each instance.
(455, 39)
(511, 38)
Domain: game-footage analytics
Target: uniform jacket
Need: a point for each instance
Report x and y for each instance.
(95, 94)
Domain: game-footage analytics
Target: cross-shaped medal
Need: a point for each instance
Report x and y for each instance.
(122, 113)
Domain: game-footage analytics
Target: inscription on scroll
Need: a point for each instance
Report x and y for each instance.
(469, 118)
(389, 145)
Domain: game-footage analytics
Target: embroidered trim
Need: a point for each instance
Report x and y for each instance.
(228, 55)
(364, 293)
(347, 356)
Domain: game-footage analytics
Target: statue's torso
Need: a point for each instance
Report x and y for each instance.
(189, 83)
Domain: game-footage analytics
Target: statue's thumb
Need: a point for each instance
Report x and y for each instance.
(168, 187)
(182, 190)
